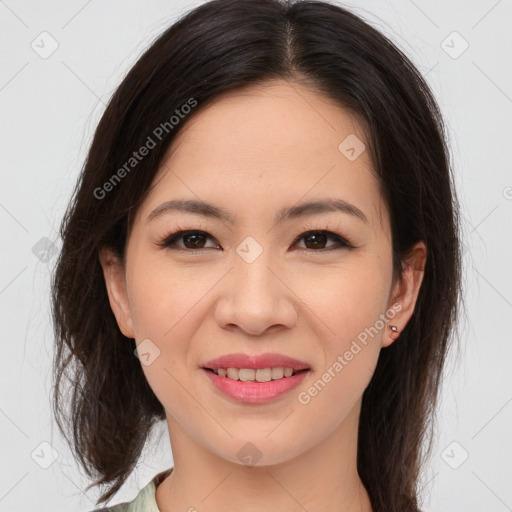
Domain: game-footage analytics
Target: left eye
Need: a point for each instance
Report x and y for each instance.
(317, 238)
(194, 240)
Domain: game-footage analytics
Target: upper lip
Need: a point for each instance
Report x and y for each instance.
(267, 360)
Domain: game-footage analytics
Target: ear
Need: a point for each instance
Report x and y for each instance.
(405, 291)
(113, 272)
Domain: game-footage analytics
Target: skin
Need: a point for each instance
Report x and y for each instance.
(254, 152)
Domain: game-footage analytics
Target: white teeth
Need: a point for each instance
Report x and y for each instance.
(251, 375)
(233, 373)
(263, 374)
(246, 374)
(277, 373)
(288, 372)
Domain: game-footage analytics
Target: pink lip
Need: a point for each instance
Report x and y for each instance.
(267, 360)
(255, 392)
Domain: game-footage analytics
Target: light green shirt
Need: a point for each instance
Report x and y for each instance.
(145, 501)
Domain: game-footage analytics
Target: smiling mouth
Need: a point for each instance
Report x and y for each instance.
(256, 375)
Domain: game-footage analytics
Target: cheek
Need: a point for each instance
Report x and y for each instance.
(345, 300)
(330, 398)
(163, 296)
(168, 307)
(165, 322)
(349, 307)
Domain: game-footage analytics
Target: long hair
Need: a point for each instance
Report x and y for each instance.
(218, 47)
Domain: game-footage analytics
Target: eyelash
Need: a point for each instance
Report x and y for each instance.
(169, 241)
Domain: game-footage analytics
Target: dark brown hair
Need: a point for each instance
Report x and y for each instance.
(218, 47)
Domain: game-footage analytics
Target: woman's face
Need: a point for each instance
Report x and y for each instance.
(255, 282)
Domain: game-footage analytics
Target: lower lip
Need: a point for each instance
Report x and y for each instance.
(255, 392)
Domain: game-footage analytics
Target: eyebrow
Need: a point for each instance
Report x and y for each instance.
(288, 213)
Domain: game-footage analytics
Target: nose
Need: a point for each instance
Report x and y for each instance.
(256, 298)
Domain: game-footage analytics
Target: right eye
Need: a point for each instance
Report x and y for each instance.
(193, 239)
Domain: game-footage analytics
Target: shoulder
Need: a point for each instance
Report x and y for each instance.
(145, 501)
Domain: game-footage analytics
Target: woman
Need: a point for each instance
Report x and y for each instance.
(262, 250)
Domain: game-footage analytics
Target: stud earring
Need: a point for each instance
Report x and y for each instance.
(394, 331)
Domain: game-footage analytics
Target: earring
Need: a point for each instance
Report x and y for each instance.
(394, 331)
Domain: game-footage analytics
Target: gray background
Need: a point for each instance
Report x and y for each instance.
(50, 107)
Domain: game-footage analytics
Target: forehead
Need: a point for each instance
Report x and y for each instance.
(263, 147)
